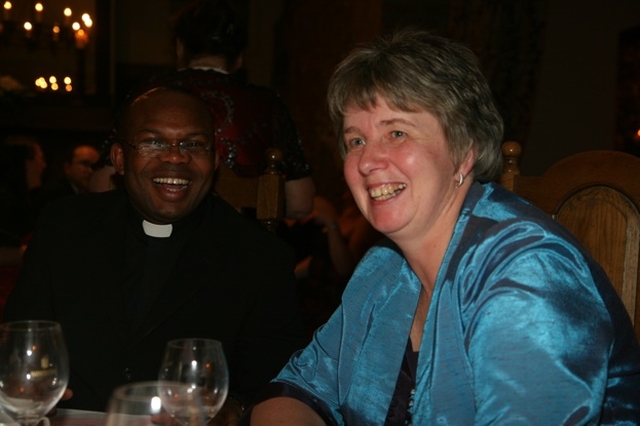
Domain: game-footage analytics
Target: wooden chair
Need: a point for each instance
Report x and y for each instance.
(596, 195)
(264, 194)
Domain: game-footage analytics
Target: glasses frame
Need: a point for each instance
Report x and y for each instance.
(168, 147)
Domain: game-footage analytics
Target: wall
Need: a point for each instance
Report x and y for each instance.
(575, 105)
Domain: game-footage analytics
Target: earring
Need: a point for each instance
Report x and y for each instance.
(460, 180)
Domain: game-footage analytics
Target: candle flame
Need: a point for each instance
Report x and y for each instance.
(41, 83)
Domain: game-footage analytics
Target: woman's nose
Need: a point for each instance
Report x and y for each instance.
(372, 157)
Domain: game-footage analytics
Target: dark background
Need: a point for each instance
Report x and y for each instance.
(566, 73)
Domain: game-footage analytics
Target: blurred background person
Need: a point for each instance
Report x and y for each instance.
(323, 261)
(328, 243)
(77, 168)
(210, 40)
(22, 164)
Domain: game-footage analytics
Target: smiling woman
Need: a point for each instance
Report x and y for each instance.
(467, 299)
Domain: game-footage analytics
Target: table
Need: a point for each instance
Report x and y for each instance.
(66, 417)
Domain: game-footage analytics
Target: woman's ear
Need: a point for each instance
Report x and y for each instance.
(469, 161)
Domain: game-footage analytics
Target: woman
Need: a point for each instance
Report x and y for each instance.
(479, 309)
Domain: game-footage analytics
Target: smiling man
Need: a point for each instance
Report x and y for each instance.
(127, 270)
(165, 154)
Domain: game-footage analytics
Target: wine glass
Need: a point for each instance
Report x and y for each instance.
(154, 403)
(34, 369)
(201, 364)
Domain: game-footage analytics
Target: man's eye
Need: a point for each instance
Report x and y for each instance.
(398, 134)
(192, 145)
(153, 143)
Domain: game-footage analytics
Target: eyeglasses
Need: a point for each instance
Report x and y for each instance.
(156, 147)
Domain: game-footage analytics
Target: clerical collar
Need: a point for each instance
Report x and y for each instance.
(158, 231)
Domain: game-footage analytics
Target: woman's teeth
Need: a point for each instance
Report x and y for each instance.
(385, 192)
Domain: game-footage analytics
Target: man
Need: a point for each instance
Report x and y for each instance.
(125, 271)
(77, 169)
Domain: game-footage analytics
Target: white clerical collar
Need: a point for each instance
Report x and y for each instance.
(158, 231)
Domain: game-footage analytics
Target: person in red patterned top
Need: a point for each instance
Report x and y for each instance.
(210, 40)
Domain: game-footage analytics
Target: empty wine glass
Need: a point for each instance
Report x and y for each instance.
(154, 403)
(201, 364)
(34, 369)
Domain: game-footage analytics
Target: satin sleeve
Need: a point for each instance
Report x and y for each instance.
(538, 334)
(314, 370)
(353, 361)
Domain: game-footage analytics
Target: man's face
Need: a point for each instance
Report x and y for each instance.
(79, 170)
(166, 186)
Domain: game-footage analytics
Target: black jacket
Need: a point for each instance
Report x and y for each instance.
(233, 282)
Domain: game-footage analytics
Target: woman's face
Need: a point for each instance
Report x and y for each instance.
(399, 170)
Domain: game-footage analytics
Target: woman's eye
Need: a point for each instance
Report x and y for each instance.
(354, 143)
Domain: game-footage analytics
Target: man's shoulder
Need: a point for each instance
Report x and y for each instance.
(77, 207)
(244, 231)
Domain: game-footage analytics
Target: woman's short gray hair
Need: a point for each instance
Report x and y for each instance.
(414, 70)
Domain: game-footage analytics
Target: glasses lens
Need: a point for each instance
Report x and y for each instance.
(156, 148)
(195, 150)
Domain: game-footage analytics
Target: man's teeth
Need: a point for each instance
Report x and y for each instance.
(382, 193)
(171, 181)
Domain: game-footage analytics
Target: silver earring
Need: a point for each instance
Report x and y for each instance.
(460, 180)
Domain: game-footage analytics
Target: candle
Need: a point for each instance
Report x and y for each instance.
(39, 9)
(82, 39)
(67, 16)
(6, 11)
(55, 36)
(41, 83)
(27, 29)
(88, 22)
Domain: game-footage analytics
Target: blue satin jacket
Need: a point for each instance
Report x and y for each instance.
(523, 328)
